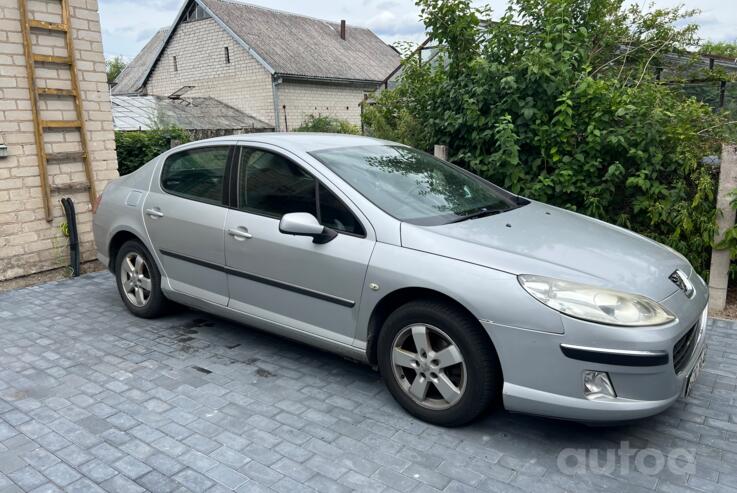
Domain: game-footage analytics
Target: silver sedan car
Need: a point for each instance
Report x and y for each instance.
(462, 294)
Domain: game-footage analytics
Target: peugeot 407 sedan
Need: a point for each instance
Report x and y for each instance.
(462, 294)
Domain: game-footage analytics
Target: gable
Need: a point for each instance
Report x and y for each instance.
(303, 46)
(291, 45)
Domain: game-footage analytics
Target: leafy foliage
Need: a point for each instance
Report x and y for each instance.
(137, 148)
(113, 67)
(558, 102)
(327, 124)
(721, 48)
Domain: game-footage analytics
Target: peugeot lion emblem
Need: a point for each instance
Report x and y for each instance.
(680, 279)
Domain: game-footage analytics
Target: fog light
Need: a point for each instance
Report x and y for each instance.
(596, 385)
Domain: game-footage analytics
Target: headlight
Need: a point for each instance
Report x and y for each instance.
(601, 305)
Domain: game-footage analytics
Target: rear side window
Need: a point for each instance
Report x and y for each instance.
(197, 174)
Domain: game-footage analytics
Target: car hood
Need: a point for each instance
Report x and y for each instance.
(544, 240)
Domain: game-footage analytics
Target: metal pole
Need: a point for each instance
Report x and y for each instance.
(441, 152)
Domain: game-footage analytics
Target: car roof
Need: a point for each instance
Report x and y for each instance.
(301, 141)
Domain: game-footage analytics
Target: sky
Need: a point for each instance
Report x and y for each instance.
(128, 24)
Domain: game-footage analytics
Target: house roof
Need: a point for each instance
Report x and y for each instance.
(145, 112)
(291, 45)
(304, 46)
(130, 80)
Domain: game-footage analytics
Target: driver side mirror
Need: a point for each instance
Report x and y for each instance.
(305, 224)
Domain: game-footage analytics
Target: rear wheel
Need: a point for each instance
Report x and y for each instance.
(139, 281)
(437, 363)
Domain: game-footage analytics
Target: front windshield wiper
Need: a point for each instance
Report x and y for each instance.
(479, 214)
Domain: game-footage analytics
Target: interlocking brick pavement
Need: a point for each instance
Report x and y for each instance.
(94, 399)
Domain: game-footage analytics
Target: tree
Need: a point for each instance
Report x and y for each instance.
(558, 101)
(114, 66)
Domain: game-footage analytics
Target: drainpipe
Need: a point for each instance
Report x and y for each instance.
(71, 215)
(275, 92)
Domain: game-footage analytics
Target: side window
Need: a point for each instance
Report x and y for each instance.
(335, 215)
(197, 174)
(271, 184)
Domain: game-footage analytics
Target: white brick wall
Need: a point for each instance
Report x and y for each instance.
(28, 244)
(303, 99)
(199, 47)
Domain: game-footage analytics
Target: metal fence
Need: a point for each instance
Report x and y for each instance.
(708, 78)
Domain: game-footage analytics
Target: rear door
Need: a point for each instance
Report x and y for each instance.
(289, 279)
(184, 215)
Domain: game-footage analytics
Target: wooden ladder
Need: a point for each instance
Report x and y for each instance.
(39, 124)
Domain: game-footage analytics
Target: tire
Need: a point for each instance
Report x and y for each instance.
(152, 302)
(476, 380)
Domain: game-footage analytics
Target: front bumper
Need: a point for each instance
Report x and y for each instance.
(543, 371)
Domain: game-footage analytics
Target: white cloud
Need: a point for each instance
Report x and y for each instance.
(128, 24)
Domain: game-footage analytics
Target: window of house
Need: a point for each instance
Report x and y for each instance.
(227, 55)
(176, 68)
(197, 174)
(272, 185)
(195, 13)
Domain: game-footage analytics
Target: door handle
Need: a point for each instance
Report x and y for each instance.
(154, 213)
(239, 234)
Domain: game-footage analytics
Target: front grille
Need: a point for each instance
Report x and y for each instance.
(684, 348)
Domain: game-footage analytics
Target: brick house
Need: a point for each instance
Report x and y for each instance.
(31, 240)
(276, 66)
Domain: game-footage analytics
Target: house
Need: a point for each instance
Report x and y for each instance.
(276, 66)
(130, 79)
(56, 132)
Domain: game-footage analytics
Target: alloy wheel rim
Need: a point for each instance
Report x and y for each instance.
(135, 277)
(428, 366)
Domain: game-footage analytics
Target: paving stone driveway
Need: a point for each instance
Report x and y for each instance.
(92, 398)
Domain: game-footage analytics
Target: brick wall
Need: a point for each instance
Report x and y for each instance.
(303, 99)
(29, 244)
(199, 48)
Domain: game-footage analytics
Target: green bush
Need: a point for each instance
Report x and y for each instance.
(721, 48)
(327, 124)
(137, 148)
(546, 104)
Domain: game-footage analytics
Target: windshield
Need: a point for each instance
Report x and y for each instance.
(413, 186)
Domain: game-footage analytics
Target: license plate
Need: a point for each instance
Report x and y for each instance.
(694, 374)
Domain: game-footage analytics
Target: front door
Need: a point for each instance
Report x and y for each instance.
(185, 215)
(289, 279)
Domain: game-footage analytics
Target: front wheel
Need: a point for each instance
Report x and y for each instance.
(139, 281)
(438, 363)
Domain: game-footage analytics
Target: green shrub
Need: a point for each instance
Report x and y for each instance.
(545, 104)
(137, 148)
(721, 48)
(328, 124)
